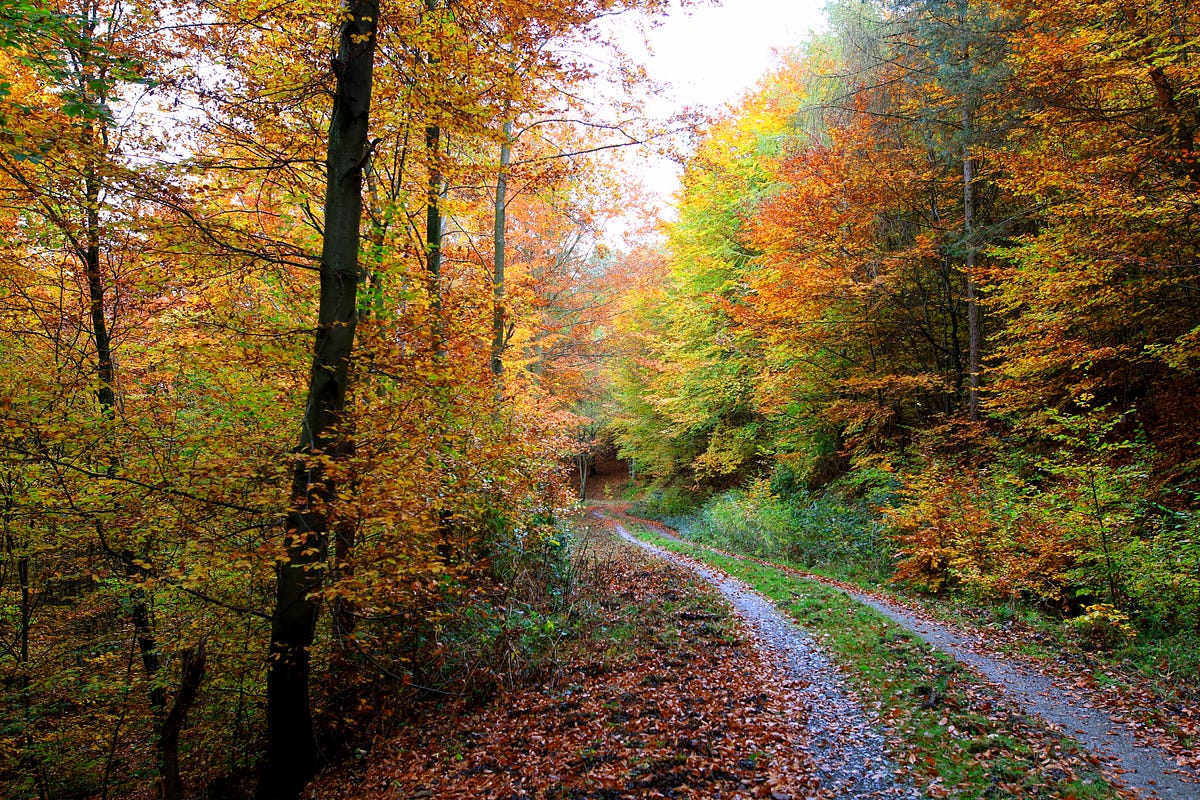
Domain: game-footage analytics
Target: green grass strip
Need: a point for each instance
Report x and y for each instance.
(947, 729)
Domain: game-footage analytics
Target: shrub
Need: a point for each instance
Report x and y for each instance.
(1162, 573)
(667, 500)
(1103, 626)
(989, 535)
(838, 531)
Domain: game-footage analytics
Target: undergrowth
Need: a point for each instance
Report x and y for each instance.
(837, 532)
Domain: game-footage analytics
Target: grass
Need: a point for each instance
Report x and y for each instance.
(1153, 677)
(947, 729)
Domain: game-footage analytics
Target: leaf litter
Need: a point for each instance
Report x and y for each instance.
(665, 697)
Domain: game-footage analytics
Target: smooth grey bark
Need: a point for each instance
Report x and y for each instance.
(581, 464)
(292, 755)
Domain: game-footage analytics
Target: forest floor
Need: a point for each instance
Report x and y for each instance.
(655, 692)
(673, 679)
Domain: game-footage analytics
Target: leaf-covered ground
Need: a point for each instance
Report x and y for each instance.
(656, 695)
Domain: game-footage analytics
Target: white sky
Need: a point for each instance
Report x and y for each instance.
(710, 54)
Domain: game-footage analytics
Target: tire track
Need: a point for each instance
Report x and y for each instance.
(849, 753)
(1132, 763)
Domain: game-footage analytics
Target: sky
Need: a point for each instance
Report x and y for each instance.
(709, 55)
(712, 53)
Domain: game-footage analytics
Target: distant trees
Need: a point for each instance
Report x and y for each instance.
(957, 250)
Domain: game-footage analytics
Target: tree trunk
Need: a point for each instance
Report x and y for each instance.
(192, 670)
(433, 235)
(433, 221)
(139, 609)
(168, 722)
(292, 754)
(169, 782)
(969, 236)
(498, 239)
(105, 371)
(581, 462)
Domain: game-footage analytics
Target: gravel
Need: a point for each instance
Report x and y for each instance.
(1137, 766)
(848, 751)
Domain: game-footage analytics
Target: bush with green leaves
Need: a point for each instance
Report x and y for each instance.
(837, 531)
(667, 500)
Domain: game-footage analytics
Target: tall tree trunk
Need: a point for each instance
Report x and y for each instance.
(969, 236)
(105, 371)
(498, 240)
(292, 753)
(433, 234)
(370, 306)
(433, 220)
(139, 608)
(169, 783)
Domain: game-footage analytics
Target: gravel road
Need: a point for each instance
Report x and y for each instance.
(1140, 767)
(856, 762)
(849, 753)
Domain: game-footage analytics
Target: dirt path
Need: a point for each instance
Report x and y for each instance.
(648, 693)
(849, 753)
(1140, 767)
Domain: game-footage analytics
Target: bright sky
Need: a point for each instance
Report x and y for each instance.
(711, 54)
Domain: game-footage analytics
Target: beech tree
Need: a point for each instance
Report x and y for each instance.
(292, 755)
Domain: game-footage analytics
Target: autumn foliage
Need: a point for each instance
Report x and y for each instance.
(179, 204)
(937, 271)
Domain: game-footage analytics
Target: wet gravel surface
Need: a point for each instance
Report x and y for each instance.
(848, 751)
(1145, 769)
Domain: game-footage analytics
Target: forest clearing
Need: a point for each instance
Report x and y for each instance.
(324, 327)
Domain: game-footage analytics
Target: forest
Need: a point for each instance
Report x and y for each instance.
(312, 325)
(929, 312)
